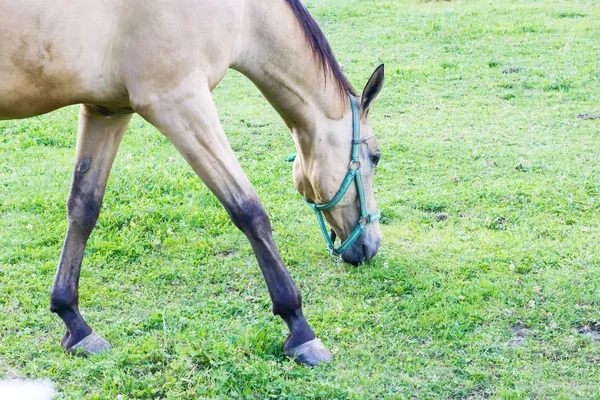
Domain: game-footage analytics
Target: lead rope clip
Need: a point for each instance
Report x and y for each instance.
(335, 257)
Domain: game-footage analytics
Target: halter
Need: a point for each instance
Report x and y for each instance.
(354, 175)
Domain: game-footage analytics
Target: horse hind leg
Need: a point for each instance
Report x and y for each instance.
(98, 139)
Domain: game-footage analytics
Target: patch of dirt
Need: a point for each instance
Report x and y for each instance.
(440, 216)
(590, 330)
(477, 394)
(521, 165)
(232, 290)
(225, 254)
(588, 116)
(497, 223)
(512, 70)
(519, 334)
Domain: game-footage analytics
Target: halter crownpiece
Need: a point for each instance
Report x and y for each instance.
(354, 175)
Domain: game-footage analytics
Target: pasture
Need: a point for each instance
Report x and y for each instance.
(487, 284)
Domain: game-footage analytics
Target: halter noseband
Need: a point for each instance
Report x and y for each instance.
(354, 175)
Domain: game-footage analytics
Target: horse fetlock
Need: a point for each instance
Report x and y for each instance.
(77, 328)
(63, 302)
(288, 305)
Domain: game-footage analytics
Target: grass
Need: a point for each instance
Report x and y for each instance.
(487, 284)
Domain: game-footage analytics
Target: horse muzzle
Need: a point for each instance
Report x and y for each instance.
(364, 249)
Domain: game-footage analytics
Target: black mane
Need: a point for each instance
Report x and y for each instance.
(319, 45)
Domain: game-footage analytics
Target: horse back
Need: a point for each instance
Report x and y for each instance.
(54, 54)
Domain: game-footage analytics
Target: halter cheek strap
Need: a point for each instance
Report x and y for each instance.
(354, 175)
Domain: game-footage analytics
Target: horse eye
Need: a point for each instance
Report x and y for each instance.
(375, 158)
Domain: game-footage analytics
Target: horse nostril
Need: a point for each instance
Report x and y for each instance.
(369, 252)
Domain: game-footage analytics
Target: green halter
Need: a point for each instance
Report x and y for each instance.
(353, 175)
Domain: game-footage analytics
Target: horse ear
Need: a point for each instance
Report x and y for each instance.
(372, 89)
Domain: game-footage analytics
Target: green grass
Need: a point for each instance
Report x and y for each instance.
(490, 190)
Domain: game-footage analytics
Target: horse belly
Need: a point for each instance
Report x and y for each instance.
(33, 90)
(46, 60)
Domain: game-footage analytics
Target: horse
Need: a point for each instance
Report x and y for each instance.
(162, 60)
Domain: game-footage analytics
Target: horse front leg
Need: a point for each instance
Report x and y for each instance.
(188, 117)
(98, 139)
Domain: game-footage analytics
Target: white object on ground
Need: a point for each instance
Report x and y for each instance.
(25, 389)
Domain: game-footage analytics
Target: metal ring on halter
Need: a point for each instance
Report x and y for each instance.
(354, 162)
(335, 257)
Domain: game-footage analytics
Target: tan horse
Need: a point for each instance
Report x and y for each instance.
(161, 60)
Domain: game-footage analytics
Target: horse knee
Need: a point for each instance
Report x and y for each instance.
(251, 218)
(83, 210)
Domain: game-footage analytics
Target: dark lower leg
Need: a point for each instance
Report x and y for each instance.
(251, 218)
(287, 302)
(64, 295)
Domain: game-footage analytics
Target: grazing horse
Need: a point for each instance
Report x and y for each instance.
(161, 59)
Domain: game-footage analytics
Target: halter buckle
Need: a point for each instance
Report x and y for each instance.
(361, 141)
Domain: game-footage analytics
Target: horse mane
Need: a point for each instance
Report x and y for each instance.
(320, 47)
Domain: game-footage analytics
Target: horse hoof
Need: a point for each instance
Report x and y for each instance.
(91, 344)
(310, 353)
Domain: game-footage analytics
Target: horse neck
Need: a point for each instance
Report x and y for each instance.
(274, 54)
